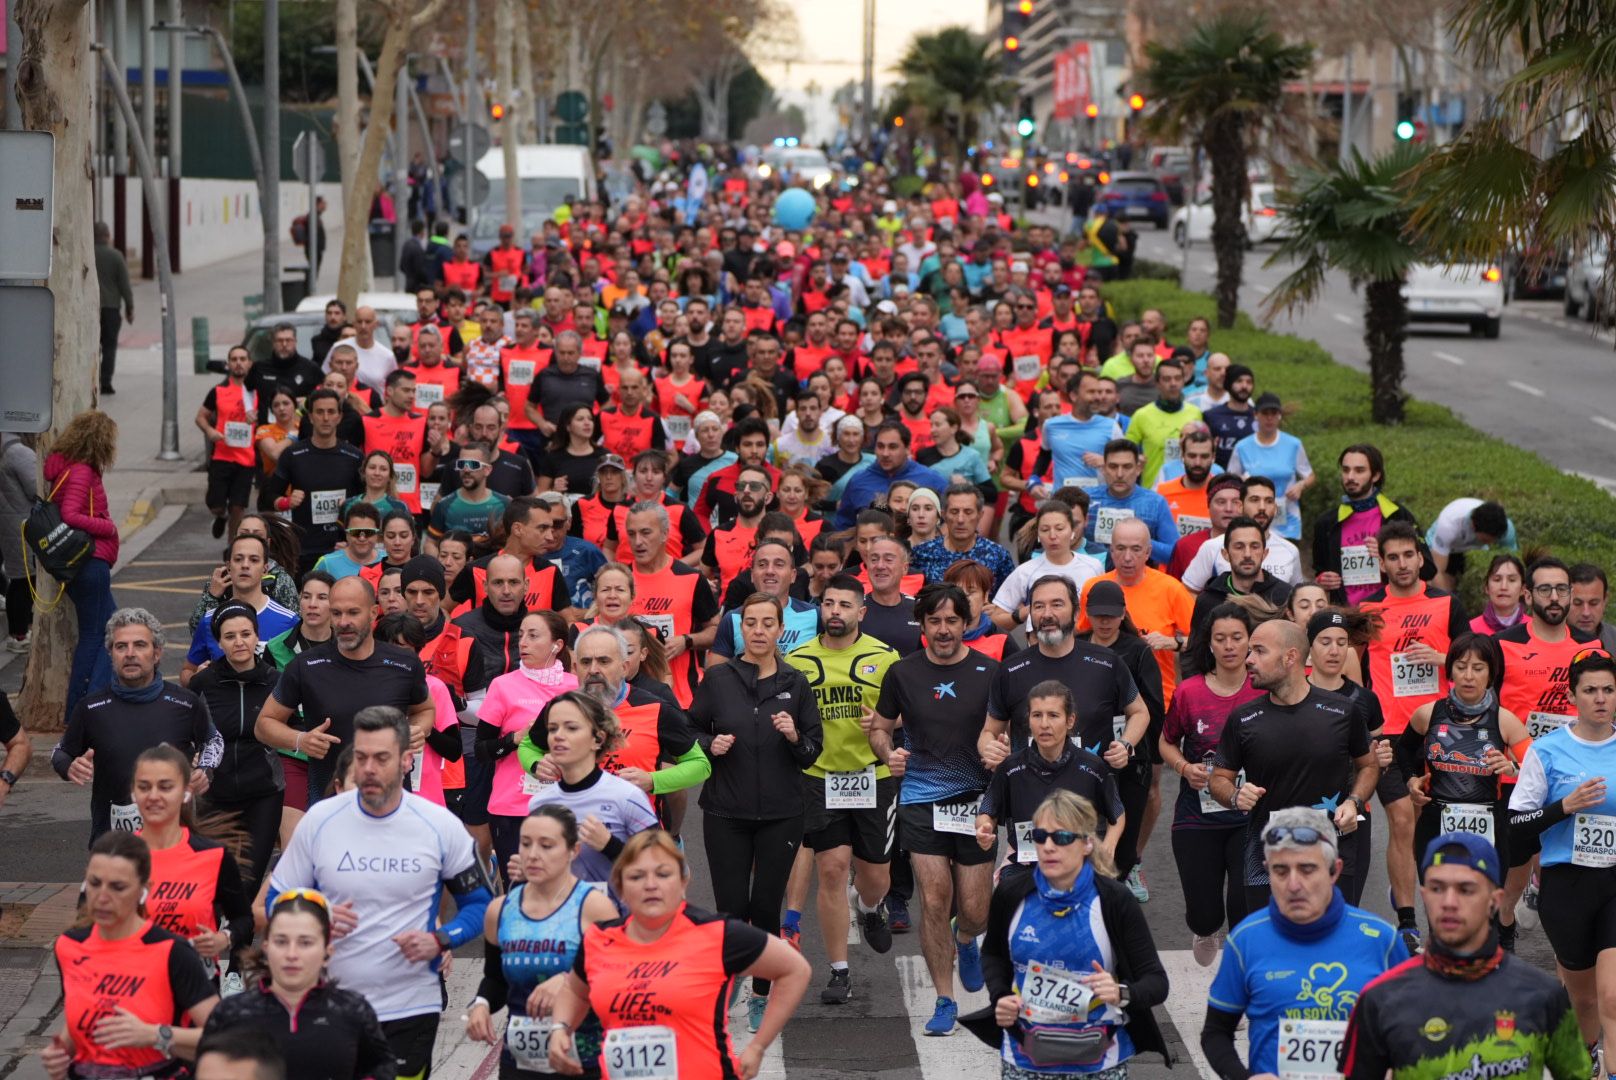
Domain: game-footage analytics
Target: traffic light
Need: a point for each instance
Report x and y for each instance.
(1014, 18)
(897, 121)
(1405, 130)
(1136, 102)
(1024, 8)
(1012, 43)
(496, 110)
(1092, 111)
(1025, 127)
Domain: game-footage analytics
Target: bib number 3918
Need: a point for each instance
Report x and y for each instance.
(1309, 1048)
(641, 1053)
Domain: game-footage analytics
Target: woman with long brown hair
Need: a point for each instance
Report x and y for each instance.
(73, 477)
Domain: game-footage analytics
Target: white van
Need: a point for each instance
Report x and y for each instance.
(548, 173)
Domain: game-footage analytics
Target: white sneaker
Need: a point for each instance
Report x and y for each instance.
(1205, 948)
(1526, 917)
(19, 645)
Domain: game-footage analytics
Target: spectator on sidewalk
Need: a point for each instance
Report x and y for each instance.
(73, 477)
(112, 271)
(19, 465)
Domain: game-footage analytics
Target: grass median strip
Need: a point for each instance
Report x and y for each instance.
(1431, 459)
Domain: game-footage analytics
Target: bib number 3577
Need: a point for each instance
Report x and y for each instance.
(642, 1053)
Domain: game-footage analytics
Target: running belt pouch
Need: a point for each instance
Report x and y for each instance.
(57, 546)
(1050, 1047)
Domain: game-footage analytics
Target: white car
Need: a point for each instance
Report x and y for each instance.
(1471, 293)
(388, 305)
(1260, 219)
(1584, 285)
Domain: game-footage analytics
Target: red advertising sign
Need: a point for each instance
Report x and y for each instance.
(1072, 85)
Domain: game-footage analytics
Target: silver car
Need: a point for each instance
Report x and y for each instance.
(1585, 285)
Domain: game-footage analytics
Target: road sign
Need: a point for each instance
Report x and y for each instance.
(656, 119)
(479, 140)
(572, 134)
(28, 312)
(572, 106)
(480, 187)
(308, 158)
(27, 206)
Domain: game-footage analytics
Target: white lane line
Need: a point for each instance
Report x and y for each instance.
(1604, 422)
(1186, 1005)
(1456, 361)
(454, 1057)
(1340, 318)
(773, 1066)
(1526, 388)
(960, 1054)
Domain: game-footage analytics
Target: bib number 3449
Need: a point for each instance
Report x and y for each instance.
(642, 1053)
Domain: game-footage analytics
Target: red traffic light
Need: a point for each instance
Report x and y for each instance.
(496, 111)
(1136, 102)
(1091, 110)
(1012, 43)
(1025, 7)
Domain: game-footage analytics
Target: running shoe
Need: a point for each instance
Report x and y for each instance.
(970, 961)
(1204, 948)
(897, 914)
(943, 1017)
(1411, 939)
(1526, 910)
(218, 524)
(1136, 885)
(19, 644)
(877, 932)
(1506, 936)
(754, 1012)
(792, 935)
(839, 989)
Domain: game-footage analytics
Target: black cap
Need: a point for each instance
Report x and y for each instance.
(1322, 621)
(1237, 371)
(424, 568)
(1105, 598)
(1267, 400)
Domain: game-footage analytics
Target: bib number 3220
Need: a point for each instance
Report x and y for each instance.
(642, 1053)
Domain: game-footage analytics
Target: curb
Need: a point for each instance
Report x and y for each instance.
(148, 503)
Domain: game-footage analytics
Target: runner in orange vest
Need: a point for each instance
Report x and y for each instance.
(631, 427)
(520, 361)
(504, 265)
(650, 484)
(435, 379)
(460, 272)
(226, 421)
(400, 432)
(1029, 346)
(672, 598)
(729, 549)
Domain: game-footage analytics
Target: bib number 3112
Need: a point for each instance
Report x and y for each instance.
(642, 1053)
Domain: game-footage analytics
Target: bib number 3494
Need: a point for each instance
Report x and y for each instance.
(642, 1053)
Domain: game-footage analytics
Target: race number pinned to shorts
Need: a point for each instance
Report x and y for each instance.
(1411, 677)
(1358, 567)
(1539, 724)
(237, 434)
(125, 817)
(428, 393)
(520, 373)
(325, 506)
(1189, 524)
(641, 1053)
(1027, 368)
(528, 1040)
(1310, 1048)
(1054, 995)
(1470, 817)
(404, 475)
(957, 817)
(1024, 844)
(851, 790)
(1593, 840)
(1106, 519)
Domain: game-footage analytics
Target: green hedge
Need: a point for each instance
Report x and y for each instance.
(1431, 459)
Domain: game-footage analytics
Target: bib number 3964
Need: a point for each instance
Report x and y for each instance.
(641, 1053)
(850, 790)
(1593, 840)
(1309, 1048)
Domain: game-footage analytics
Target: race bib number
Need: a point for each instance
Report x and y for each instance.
(1173, 450)
(125, 817)
(1105, 521)
(1412, 678)
(1358, 567)
(1209, 805)
(532, 785)
(237, 434)
(590, 362)
(528, 1040)
(1024, 844)
(417, 769)
(1087, 483)
(662, 624)
(507, 283)
(1539, 724)
(641, 1053)
(1189, 523)
(429, 495)
(1027, 368)
(1309, 1048)
(520, 373)
(1593, 840)
(1468, 817)
(958, 818)
(852, 790)
(677, 427)
(325, 506)
(404, 475)
(1119, 724)
(428, 393)
(1053, 995)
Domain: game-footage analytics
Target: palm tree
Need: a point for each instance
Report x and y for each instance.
(1539, 168)
(1221, 87)
(953, 76)
(1354, 217)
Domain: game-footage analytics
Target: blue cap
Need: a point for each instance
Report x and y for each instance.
(1463, 849)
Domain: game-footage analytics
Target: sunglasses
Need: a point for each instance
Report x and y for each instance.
(313, 896)
(1301, 834)
(1586, 653)
(751, 485)
(1061, 837)
(469, 464)
(363, 532)
(1024, 306)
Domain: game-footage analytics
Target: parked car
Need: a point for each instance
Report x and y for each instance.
(1259, 218)
(391, 307)
(1537, 274)
(1173, 166)
(1469, 293)
(1133, 196)
(1584, 286)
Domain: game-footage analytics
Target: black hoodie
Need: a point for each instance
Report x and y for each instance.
(760, 777)
(249, 769)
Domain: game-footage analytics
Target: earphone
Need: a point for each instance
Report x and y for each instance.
(143, 894)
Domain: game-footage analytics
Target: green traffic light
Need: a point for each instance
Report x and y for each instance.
(1405, 129)
(1025, 127)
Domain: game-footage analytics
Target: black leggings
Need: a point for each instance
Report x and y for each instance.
(1212, 868)
(260, 820)
(19, 604)
(750, 862)
(1134, 790)
(506, 832)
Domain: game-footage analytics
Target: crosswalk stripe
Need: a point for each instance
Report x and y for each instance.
(1189, 985)
(960, 1054)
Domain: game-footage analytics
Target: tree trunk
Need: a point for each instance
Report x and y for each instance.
(510, 127)
(347, 34)
(53, 87)
(527, 106)
(1225, 144)
(1385, 328)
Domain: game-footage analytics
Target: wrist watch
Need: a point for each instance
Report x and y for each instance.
(9, 777)
(1359, 803)
(165, 1039)
(442, 938)
(1124, 994)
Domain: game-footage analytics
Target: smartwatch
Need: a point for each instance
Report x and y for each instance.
(165, 1039)
(9, 777)
(1124, 994)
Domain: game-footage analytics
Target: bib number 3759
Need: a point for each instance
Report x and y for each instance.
(641, 1053)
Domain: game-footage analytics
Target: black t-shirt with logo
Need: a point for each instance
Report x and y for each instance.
(942, 707)
(895, 626)
(324, 683)
(326, 477)
(1101, 685)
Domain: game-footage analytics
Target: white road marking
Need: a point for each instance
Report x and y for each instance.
(1526, 388)
(773, 1066)
(1606, 482)
(1456, 361)
(1186, 1005)
(960, 1054)
(1341, 318)
(455, 1057)
(1604, 422)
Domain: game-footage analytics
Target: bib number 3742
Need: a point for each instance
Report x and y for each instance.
(642, 1053)
(1310, 1048)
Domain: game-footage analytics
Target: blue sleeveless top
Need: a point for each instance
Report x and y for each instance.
(534, 950)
